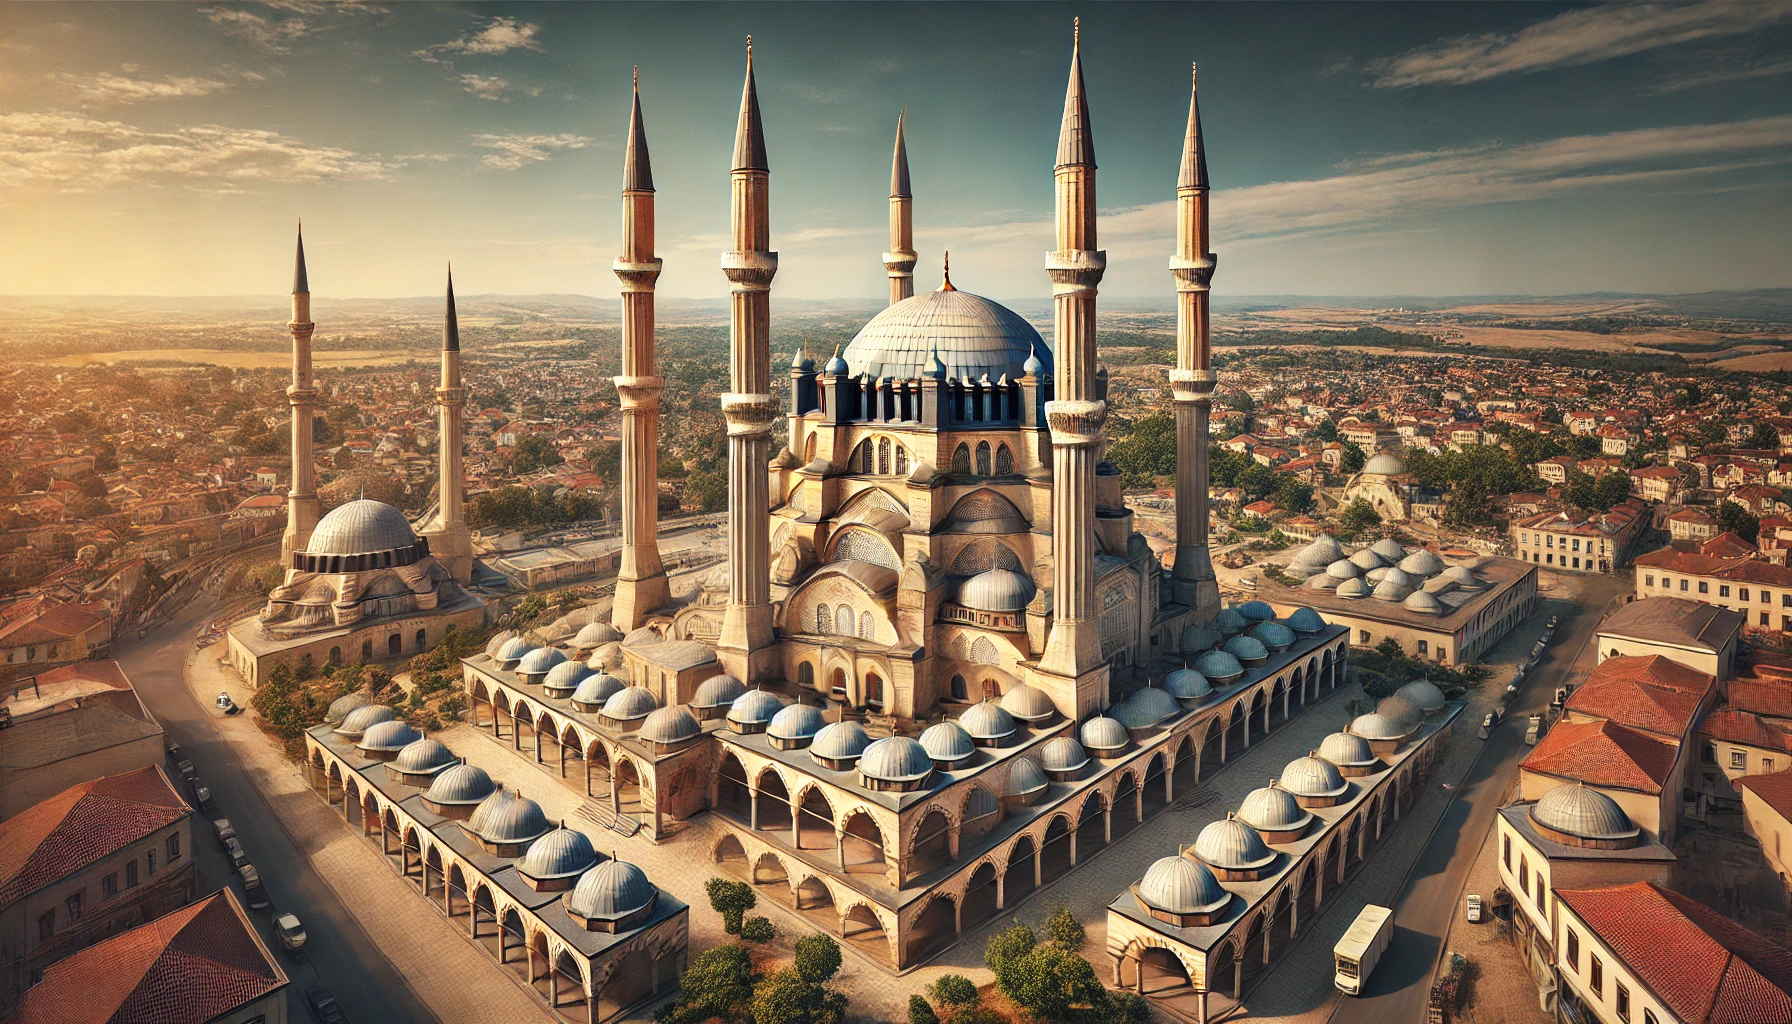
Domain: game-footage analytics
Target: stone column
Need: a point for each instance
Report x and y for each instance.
(1192, 381)
(301, 396)
(641, 584)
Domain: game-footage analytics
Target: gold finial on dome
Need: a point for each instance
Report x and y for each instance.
(946, 273)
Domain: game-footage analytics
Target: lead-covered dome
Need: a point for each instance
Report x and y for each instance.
(595, 689)
(1424, 695)
(970, 335)
(755, 707)
(611, 890)
(1155, 703)
(1385, 463)
(1178, 885)
(364, 718)
(947, 742)
(364, 527)
(389, 736)
(1219, 666)
(630, 703)
(1102, 733)
(596, 634)
(505, 817)
(1273, 809)
(341, 706)
(1273, 635)
(1583, 813)
(895, 759)
(796, 722)
(987, 722)
(839, 741)
(1028, 703)
(1187, 684)
(669, 725)
(1025, 778)
(565, 676)
(540, 661)
(1346, 750)
(424, 757)
(562, 853)
(997, 590)
(1306, 620)
(717, 691)
(459, 786)
(1313, 776)
(1374, 726)
(1062, 754)
(1400, 711)
(1233, 845)
(1257, 611)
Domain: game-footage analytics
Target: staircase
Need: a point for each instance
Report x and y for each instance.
(600, 814)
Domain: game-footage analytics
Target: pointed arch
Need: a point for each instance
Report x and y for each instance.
(983, 456)
(961, 459)
(1004, 460)
(883, 456)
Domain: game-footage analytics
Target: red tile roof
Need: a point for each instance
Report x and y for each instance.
(1653, 670)
(1775, 789)
(1603, 754)
(82, 824)
(106, 672)
(1653, 709)
(1767, 696)
(1742, 727)
(1706, 968)
(196, 964)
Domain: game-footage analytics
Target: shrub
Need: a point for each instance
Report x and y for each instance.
(953, 990)
(919, 1012)
(718, 983)
(1005, 950)
(817, 958)
(974, 1014)
(782, 998)
(1065, 929)
(1128, 1008)
(757, 929)
(731, 900)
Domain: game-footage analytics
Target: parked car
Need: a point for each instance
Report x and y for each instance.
(203, 794)
(1534, 731)
(1551, 624)
(224, 830)
(234, 848)
(174, 750)
(292, 933)
(255, 894)
(224, 700)
(186, 769)
(324, 1008)
(1473, 908)
(1488, 723)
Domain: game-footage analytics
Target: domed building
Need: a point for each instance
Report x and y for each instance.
(1385, 484)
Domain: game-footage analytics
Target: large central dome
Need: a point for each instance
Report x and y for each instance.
(971, 334)
(361, 527)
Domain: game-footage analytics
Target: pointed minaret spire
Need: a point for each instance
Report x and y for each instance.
(900, 260)
(301, 283)
(1192, 582)
(749, 136)
(637, 170)
(1076, 141)
(302, 509)
(1194, 154)
(444, 528)
(450, 322)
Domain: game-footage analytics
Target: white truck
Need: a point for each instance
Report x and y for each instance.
(1361, 947)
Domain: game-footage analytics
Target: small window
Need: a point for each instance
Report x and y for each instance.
(1506, 851)
(1704, 588)
(1623, 1001)
(959, 690)
(1767, 764)
(1763, 620)
(109, 886)
(1524, 875)
(73, 903)
(46, 926)
(1723, 590)
(1424, 647)
(1739, 759)
(1362, 636)
(1573, 960)
(149, 862)
(174, 847)
(1649, 1017)
(1648, 581)
(1742, 595)
(1596, 975)
(1683, 586)
(130, 874)
(1766, 597)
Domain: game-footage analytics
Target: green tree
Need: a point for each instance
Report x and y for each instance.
(1064, 929)
(1738, 520)
(532, 452)
(1354, 459)
(919, 1012)
(953, 990)
(1006, 949)
(1151, 448)
(1326, 431)
(1764, 436)
(718, 983)
(1051, 983)
(817, 958)
(1356, 517)
(1294, 494)
(706, 490)
(758, 929)
(606, 459)
(731, 900)
(782, 998)
(1390, 648)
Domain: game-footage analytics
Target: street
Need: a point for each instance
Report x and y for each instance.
(1400, 987)
(338, 953)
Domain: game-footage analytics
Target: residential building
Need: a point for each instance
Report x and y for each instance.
(69, 725)
(1569, 541)
(1699, 636)
(1751, 586)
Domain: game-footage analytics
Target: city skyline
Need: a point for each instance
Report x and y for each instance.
(1359, 151)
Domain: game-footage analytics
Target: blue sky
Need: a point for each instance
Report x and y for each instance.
(1401, 148)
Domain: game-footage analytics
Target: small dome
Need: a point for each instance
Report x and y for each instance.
(1346, 750)
(987, 721)
(1461, 576)
(1402, 712)
(1582, 812)
(630, 703)
(1312, 776)
(1377, 727)
(561, 853)
(1365, 559)
(1230, 622)
(514, 649)
(423, 757)
(1423, 603)
(1199, 638)
(839, 741)
(606, 658)
(1187, 684)
(1422, 563)
(1424, 695)
(1134, 716)
(1316, 556)
(365, 717)
(1177, 885)
(498, 640)
(997, 590)
(947, 741)
(1395, 574)
(1343, 569)
(669, 725)
(1103, 733)
(1025, 778)
(1386, 464)
(1274, 635)
(895, 759)
(1257, 611)
(1388, 590)
(565, 676)
(611, 890)
(1156, 702)
(1322, 581)
(1374, 576)
(1272, 808)
(596, 634)
(1306, 620)
(835, 365)
(1389, 549)
(797, 722)
(1246, 648)
(341, 706)
(361, 527)
(393, 735)
(539, 661)
(460, 785)
(596, 689)
(1033, 366)
(1353, 588)
(1219, 666)
(508, 819)
(1062, 754)
(1233, 845)
(755, 707)
(717, 691)
(1028, 703)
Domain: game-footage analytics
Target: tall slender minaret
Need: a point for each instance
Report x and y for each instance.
(1076, 415)
(900, 260)
(301, 394)
(1191, 579)
(745, 644)
(446, 529)
(641, 585)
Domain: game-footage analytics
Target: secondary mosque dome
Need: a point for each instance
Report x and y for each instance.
(1386, 464)
(971, 335)
(997, 590)
(366, 527)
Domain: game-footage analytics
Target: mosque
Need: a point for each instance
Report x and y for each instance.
(940, 666)
(362, 584)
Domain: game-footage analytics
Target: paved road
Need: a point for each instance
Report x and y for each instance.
(338, 952)
(1399, 989)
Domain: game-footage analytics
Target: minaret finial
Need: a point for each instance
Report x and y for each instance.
(301, 282)
(1076, 142)
(1194, 153)
(1076, 33)
(637, 78)
(946, 272)
(637, 168)
(749, 136)
(450, 321)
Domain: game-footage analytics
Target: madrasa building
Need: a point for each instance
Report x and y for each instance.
(940, 666)
(362, 583)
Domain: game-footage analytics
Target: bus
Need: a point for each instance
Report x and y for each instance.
(1361, 947)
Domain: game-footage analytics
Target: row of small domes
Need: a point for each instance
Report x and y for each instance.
(1257, 619)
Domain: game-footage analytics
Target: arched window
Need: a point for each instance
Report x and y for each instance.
(883, 456)
(866, 628)
(901, 461)
(843, 621)
(805, 676)
(824, 619)
(961, 460)
(335, 655)
(865, 457)
(982, 458)
(960, 690)
(1004, 461)
(983, 652)
(874, 691)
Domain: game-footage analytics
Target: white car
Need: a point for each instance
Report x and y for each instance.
(1473, 908)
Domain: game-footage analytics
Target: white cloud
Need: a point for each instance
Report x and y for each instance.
(513, 150)
(267, 33)
(106, 87)
(499, 35)
(1741, 72)
(494, 87)
(74, 153)
(1578, 37)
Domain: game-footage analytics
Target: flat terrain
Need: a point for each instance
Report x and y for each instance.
(243, 360)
